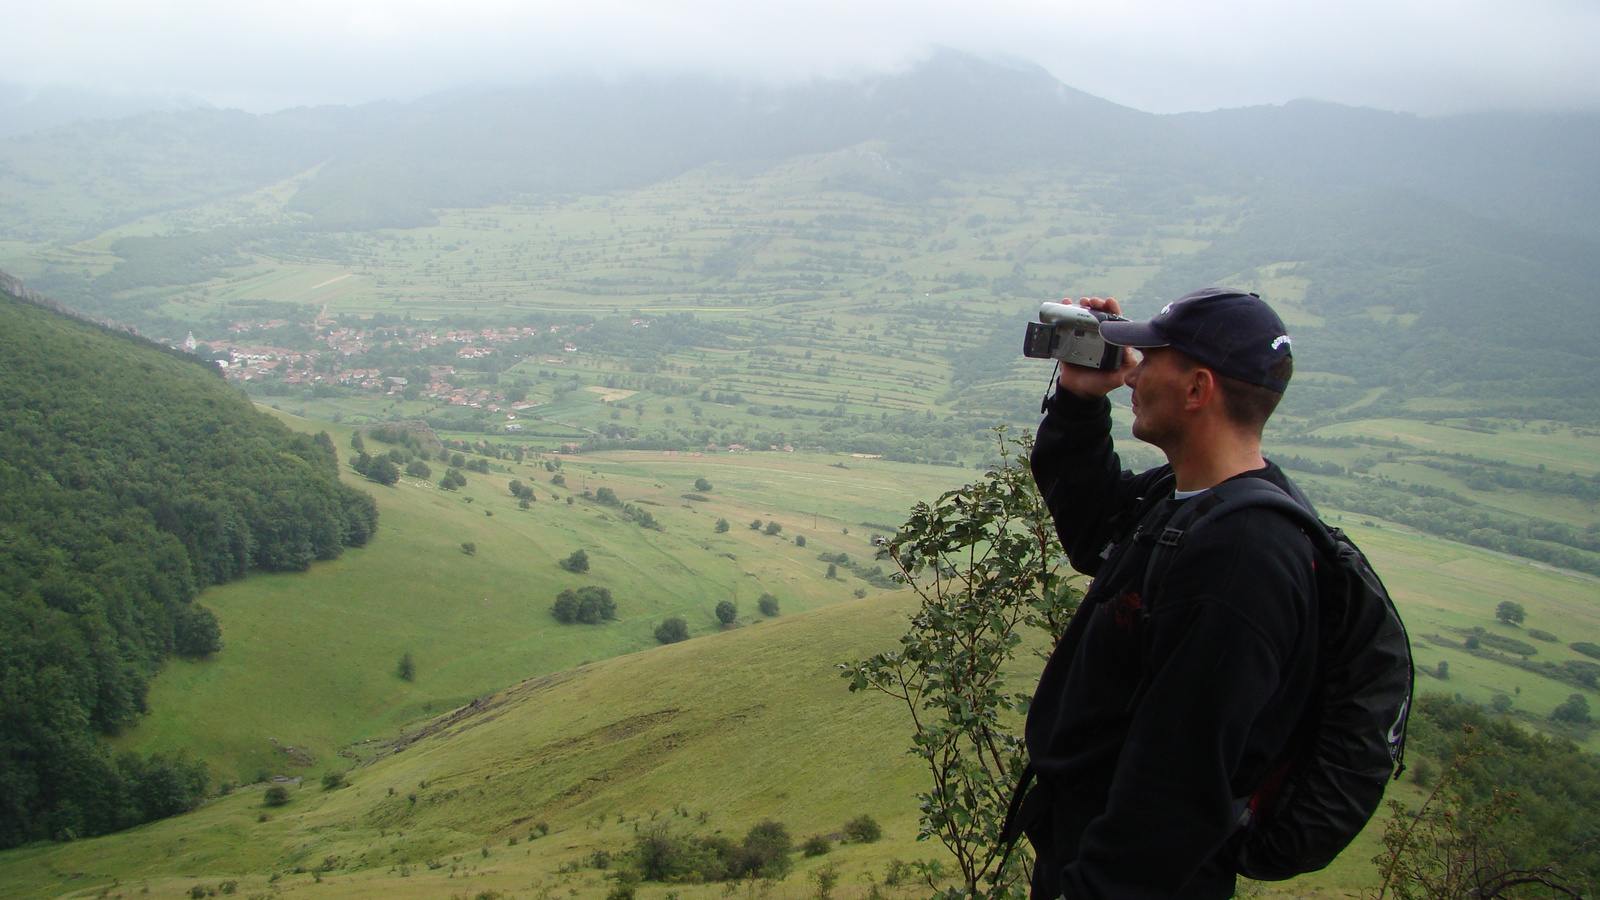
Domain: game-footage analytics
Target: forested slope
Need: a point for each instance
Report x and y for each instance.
(130, 478)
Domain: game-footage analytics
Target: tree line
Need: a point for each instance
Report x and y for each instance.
(130, 479)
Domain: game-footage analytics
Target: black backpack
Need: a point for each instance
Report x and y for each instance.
(1348, 743)
(1352, 739)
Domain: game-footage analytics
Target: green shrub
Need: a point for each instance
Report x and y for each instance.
(277, 795)
(768, 604)
(672, 630)
(577, 562)
(1574, 709)
(1540, 634)
(722, 526)
(332, 781)
(727, 612)
(863, 829)
(816, 845)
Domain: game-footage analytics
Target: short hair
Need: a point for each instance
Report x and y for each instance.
(1246, 405)
(1251, 405)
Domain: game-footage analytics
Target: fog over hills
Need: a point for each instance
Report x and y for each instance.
(388, 163)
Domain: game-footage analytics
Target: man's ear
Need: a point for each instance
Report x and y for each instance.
(1202, 389)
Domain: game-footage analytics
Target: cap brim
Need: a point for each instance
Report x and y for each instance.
(1132, 334)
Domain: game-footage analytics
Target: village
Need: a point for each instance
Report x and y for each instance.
(337, 352)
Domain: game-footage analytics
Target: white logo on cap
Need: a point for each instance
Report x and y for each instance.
(1281, 340)
(1166, 309)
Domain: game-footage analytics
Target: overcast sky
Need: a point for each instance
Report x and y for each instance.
(1426, 56)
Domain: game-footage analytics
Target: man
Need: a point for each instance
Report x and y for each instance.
(1158, 717)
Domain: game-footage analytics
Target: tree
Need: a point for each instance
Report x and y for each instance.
(863, 829)
(588, 605)
(1575, 709)
(332, 781)
(383, 470)
(605, 496)
(702, 485)
(766, 851)
(576, 563)
(558, 480)
(755, 525)
(984, 562)
(565, 609)
(773, 528)
(277, 795)
(1442, 671)
(727, 612)
(799, 540)
(1510, 612)
(833, 571)
(195, 631)
(672, 630)
(406, 669)
(768, 604)
(722, 526)
(418, 469)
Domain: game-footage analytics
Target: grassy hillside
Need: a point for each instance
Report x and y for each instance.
(739, 725)
(310, 661)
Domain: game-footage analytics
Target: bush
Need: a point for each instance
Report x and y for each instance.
(1574, 709)
(799, 540)
(577, 563)
(773, 528)
(406, 669)
(816, 845)
(383, 471)
(1586, 648)
(195, 631)
(588, 605)
(332, 781)
(469, 548)
(1540, 634)
(558, 480)
(768, 604)
(755, 525)
(277, 795)
(673, 630)
(863, 829)
(722, 526)
(605, 496)
(766, 851)
(727, 612)
(418, 469)
(702, 485)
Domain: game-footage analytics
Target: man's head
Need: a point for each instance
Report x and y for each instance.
(1234, 334)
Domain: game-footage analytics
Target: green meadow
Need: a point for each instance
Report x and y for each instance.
(308, 673)
(710, 735)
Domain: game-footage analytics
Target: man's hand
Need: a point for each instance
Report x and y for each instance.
(1092, 384)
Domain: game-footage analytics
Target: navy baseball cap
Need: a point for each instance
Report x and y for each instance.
(1228, 331)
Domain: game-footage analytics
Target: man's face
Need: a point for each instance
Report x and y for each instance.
(1159, 383)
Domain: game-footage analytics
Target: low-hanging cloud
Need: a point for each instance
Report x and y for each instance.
(1159, 55)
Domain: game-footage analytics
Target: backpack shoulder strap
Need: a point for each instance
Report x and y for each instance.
(1219, 501)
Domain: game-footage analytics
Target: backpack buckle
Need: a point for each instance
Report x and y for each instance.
(1170, 537)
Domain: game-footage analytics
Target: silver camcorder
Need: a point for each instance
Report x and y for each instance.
(1072, 334)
